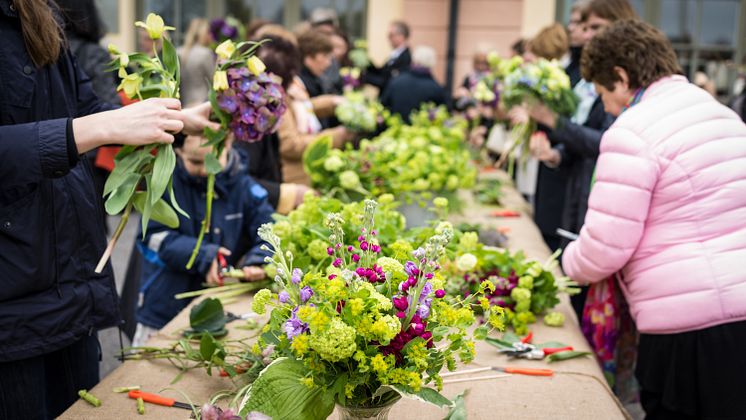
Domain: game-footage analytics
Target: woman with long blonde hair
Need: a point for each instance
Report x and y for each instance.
(197, 62)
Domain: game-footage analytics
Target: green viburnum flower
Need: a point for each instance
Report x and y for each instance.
(554, 319)
(466, 262)
(386, 199)
(523, 305)
(335, 343)
(440, 202)
(390, 265)
(520, 294)
(443, 226)
(317, 249)
(283, 229)
(349, 180)
(384, 303)
(261, 299)
(333, 163)
(468, 241)
(452, 183)
(526, 282)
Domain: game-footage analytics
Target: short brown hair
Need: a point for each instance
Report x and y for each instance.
(611, 10)
(641, 50)
(314, 42)
(551, 42)
(401, 27)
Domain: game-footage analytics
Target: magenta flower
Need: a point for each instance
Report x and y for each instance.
(401, 314)
(364, 246)
(355, 257)
(401, 303)
(330, 251)
(440, 293)
(337, 262)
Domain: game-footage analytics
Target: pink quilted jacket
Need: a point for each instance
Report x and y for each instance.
(668, 209)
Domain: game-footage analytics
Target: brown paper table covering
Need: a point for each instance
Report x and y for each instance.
(576, 391)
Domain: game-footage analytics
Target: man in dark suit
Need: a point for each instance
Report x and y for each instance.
(415, 86)
(400, 58)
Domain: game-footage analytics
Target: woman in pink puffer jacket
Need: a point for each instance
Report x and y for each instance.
(668, 211)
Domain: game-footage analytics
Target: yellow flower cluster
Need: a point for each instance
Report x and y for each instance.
(405, 377)
(335, 343)
(300, 345)
(417, 353)
(448, 316)
(261, 299)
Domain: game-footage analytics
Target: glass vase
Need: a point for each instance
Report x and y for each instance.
(376, 412)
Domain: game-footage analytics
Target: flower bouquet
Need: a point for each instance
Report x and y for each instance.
(543, 81)
(351, 78)
(247, 101)
(525, 288)
(487, 90)
(153, 76)
(363, 334)
(408, 161)
(359, 54)
(359, 113)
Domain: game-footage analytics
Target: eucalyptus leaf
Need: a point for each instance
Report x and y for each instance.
(212, 164)
(163, 169)
(566, 355)
(119, 198)
(208, 315)
(279, 393)
(458, 411)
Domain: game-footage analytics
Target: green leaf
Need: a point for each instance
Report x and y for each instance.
(161, 212)
(223, 116)
(317, 150)
(458, 411)
(425, 394)
(122, 194)
(551, 345)
(500, 344)
(207, 346)
(279, 393)
(171, 60)
(208, 315)
(481, 332)
(566, 355)
(172, 196)
(163, 169)
(214, 137)
(212, 164)
(125, 165)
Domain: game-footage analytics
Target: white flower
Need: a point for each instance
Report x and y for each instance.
(466, 262)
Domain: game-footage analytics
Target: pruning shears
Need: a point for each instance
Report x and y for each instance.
(227, 271)
(157, 399)
(529, 351)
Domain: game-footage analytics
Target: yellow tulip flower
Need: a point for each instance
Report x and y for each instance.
(225, 50)
(154, 25)
(220, 80)
(256, 66)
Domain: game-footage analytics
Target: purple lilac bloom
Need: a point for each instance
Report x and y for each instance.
(284, 296)
(297, 276)
(411, 269)
(294, 326)
(305, 294)
(423, 311)
(426, 290)
(419, 253)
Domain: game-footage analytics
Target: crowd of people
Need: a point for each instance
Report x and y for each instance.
(643, 187)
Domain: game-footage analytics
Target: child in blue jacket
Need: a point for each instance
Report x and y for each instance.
(239, 207)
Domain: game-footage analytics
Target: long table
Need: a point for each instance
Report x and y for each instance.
(576, 391)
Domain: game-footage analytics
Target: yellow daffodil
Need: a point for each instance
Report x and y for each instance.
(131, 85)
(154, 25)
(255, 65)
(225, 50)
(220, 80)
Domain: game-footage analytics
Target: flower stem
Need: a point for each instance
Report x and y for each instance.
(205, 222)
(113, 241)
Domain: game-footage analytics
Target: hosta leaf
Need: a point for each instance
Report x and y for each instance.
(208, 315)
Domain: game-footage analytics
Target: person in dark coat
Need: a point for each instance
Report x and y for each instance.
(414, 87)
(51, 236)
(239, 208)
(399, 60)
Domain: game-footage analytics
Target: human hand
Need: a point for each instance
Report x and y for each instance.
(300, 193)
(254, 273)
(542, 149)
(477, 136)
(519, 115)
(213, 275)
(145, 122)
(543, 115)
(196, 118)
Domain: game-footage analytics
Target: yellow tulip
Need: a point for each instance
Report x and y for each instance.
(256, 66)
(131, 85)
(220, 80)
(154, 25)
(355, 73)
(225, 50)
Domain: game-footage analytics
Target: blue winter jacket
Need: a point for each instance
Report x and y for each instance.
(51, 230)
(239, 208)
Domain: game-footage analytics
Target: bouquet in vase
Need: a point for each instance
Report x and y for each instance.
(364, 333)
(359, 113)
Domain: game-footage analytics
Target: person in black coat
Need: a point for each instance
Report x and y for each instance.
(414, 87)
(399, 60)
(51, 232)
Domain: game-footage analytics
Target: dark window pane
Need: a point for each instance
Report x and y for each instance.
(719, 22)
(678, 20)
(109, 11)
(270, 10)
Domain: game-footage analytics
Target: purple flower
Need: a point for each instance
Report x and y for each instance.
(426, 290)
(401, 315)
(411, 269)
(440, 293)
(423, 311)
(297, 275)
(294, 326)
(419, 253)
(364, 246)
(330, 251)
(305, 294)
(337, 262)
(350, 248)
(429, 276)
(284, 296)
(355, 257)
(401, 303)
